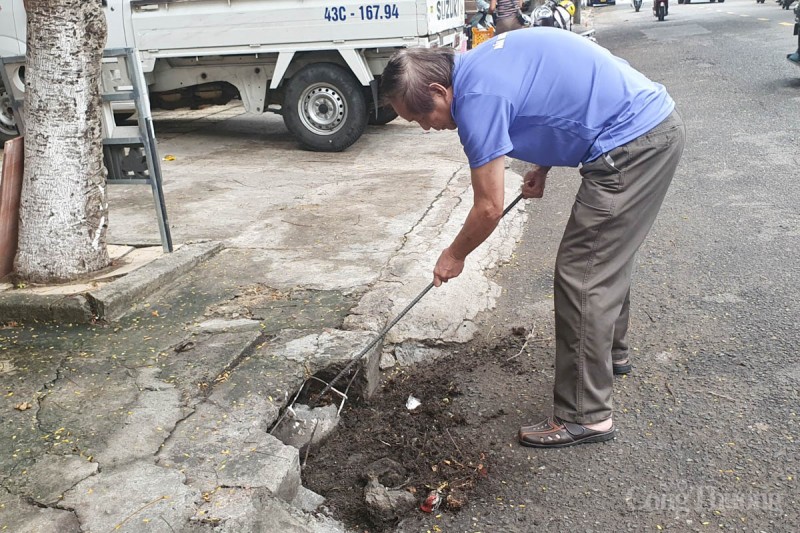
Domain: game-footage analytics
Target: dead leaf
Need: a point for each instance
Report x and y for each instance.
(23, 406)
(184, 346)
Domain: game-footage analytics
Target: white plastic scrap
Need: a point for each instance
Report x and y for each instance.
(412, 403)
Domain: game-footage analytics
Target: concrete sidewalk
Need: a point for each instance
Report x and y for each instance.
(161, 421)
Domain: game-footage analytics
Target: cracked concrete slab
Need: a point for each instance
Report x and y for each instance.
(237, 510)
(333, 349)
(88, 402)
(152, 417)
(21, 517)
(196, 362)
(213, 450)
(267, 380)
(260, 385)
(135, 498)
(51, 476)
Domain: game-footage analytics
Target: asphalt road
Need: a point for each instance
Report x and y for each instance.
(708, 424)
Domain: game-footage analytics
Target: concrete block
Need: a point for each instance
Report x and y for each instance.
(409, 354)
(273, 515)
(303, 426)
(110, 301)
(331, 350)
(214, 449)
(26, 307)
(307, 500)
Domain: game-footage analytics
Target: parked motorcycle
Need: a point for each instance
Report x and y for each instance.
(660, 9)
(554, 14)
(636, 5)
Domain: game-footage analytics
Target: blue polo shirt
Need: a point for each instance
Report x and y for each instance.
(550, 97)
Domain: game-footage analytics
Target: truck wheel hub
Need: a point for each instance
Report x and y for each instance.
(322, 109)
(7, 123)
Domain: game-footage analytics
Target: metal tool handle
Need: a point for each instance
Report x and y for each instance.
(391, 324)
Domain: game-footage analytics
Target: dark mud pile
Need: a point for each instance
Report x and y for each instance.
(439, 445)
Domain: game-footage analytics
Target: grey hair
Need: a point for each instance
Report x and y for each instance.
(410, 72)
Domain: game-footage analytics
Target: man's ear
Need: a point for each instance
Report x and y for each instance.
(438, 89)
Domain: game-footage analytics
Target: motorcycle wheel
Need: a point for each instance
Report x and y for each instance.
(661, 13)
(636, 7)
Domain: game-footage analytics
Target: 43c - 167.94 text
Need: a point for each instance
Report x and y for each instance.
(368, 12)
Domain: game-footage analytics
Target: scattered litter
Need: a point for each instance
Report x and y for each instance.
(456, 500)
(24, 406)
(169, 158)
(412, 403)
(432, 502)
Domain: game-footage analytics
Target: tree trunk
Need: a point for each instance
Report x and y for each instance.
(63, 210)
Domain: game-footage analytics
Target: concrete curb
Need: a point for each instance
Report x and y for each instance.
(116, 298)
(111, 301)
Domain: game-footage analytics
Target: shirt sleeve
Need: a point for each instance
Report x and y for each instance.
(483, 122)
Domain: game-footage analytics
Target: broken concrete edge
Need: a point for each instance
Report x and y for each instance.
(45, 308)
(112, 301)
(115, 299)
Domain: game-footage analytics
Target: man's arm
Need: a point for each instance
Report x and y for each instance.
(488, 186)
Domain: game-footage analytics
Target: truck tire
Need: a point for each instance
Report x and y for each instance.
(385, 115)
(8, 125)
(324, 107)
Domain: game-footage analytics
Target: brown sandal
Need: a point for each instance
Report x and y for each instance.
(553, 432)
(622, 368)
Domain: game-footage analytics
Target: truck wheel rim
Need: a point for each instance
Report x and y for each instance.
(323, 109)
(7, 124)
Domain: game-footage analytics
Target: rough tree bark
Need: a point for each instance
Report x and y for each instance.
(63, 210)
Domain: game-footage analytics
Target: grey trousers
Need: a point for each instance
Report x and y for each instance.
(619, 198)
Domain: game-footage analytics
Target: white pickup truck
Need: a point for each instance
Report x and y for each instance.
(316, 62)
